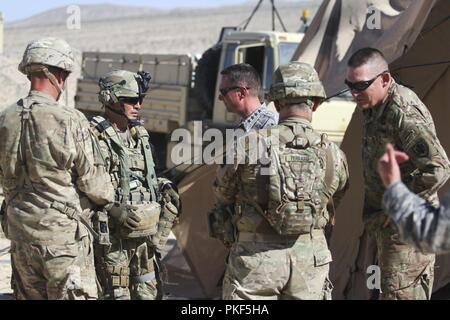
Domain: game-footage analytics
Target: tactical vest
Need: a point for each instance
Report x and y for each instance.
(133, 175)
(301, 169)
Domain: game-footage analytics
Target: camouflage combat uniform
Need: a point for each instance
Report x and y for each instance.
(264, 264)
(404, 121)
(128, 267)
(419, 223)
(50, 172)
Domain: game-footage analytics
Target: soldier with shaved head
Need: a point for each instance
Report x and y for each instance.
(394, 114)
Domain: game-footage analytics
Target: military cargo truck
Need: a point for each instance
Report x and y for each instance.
(184, 90)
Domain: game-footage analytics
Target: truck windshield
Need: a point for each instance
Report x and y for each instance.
(286, 51)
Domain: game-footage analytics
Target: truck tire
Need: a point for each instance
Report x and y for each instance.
(206, 78)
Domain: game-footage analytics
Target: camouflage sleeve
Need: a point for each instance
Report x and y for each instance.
(219, 217)
(418, 222)
(225, 184)
(340, 183)
(93, 180)
(430, 165)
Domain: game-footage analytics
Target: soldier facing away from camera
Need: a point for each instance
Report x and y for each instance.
(278, 248)
(53, 177)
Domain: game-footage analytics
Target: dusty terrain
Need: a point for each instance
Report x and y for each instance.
(177, 31)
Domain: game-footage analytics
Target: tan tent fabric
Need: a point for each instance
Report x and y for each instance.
(413, 32)
(206, 256)
(341, 23)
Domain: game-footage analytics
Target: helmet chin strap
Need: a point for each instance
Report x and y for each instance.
(121, 112)
(53, 80)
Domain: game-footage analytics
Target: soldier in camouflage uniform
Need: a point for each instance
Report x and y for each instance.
(240, 90)
(394, 114)
(418, 223)
(145, 207)
(52, 175)
(278, 249)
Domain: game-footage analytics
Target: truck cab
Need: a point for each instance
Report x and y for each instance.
(175, 98)
(265, 51)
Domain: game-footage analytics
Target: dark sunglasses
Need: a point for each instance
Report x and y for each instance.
(362, 85)
(133, 101)
(224, 91)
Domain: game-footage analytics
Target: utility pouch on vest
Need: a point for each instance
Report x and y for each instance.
(296, 182)
(101, 227)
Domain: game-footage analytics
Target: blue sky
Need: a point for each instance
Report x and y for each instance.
(19, 9)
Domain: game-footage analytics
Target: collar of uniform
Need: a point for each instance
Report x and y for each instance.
(296, 120)
(375, 113)
(125, 136)
(41, 96)
(248, 123)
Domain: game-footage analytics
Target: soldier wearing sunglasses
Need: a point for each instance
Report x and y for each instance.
(240, 91)
(394, 114)
(135, 230)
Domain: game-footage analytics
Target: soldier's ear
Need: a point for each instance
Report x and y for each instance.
(386, 79)
(316, 103)
(277, 105)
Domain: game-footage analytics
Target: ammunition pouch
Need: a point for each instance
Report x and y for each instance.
(146, 215)
(169, 215)
(119, 276)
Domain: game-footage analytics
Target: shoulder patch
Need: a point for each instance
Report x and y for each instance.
(420, 148)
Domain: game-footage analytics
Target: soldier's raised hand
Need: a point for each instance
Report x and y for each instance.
(388, 165)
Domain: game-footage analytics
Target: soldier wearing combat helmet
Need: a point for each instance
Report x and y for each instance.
(53, 176)
(145, 208)
(278, 247)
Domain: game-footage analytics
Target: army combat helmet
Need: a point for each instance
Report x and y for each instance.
(294, 82)
(121, 86)
(47, 52)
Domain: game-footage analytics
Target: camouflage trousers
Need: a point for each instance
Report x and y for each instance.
(278, 270)
(406, 273)
(53, 272)
(128, 270)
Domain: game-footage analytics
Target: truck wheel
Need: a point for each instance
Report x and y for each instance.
(206, 78)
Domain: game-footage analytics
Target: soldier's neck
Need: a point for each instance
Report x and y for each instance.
(119, 122)
(42, 85)
(251, 106)
(286, 113)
